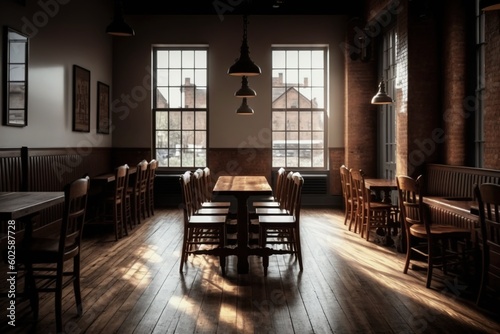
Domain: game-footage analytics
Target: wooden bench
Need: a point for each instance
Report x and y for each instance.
(450, 192)
(23, 169)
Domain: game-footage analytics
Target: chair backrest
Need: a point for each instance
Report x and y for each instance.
(345, 181)
(298, 183)
(152, 166)
(411, 201)
(198, 188)
(488, 199)
(75, 207)
(121, 182)
(357, 182)
(208, 175)
(187, 195)
(141, 177)
(286, 200)
(279, 185)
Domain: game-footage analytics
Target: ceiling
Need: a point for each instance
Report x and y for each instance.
(238, 7)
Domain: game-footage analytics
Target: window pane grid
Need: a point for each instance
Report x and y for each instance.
(480, 87)
(298, 107)
(180, 107)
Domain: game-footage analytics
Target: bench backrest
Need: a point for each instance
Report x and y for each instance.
(456, 181)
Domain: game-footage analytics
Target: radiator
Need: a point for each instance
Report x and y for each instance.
(167, 190)
(315, 190)
(315, 184)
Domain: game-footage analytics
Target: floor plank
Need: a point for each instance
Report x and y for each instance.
(348, 285)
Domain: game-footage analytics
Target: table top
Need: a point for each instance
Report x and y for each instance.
(235, 184)
(110, 177)
(15, 205)
(381, 183)
(465, 206)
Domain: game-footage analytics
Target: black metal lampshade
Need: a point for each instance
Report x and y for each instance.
(489, 4)
(381, 97)
(119, 27)
(244, 109)
(245, 90)
(244, 66)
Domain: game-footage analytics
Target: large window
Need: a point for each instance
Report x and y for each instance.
(387, 112)
(180, 106)
(299, 107)
(480, 87)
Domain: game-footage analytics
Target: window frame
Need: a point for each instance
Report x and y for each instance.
(280, 155)
(387, 142)
(198, 156)
(480, 87)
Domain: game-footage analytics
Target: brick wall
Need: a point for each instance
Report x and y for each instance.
(436, 81)
(492, 94)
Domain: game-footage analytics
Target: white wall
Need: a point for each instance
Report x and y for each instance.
(67, 32)
(132, 80)
(62, 33)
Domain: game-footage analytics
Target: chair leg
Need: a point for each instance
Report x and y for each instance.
(115, 221)
(144, 209)
(430, 265)
(58, 299)
(346, 213)
(30, 289)
(122, 220)
(183, 252)
(408, 255)
(481, 287)
(298, 248)
(76, 285)
(265, 263)
(150, 204)
(222, 260)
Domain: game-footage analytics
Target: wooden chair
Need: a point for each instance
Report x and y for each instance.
(150, 191)
(423, 238)
(115, 209)
(488, 199)
(286, 199)
(46, 259)
(199, 230)
(198, 191)
(206, 191)
(284, 230)
(138, 192)
(275, 201)
(349, 204)
(369, 214)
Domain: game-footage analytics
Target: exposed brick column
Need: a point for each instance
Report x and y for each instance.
(454, 89)
(492, 91)
(360, 114)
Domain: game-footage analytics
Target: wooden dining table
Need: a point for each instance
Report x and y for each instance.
(23, 206)
(242, 187)
(384, 186)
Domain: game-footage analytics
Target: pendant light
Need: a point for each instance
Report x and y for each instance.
(119, 27)
(245, 90)
(381, 97)
(244, 109)
(244, 66)
(489, 5)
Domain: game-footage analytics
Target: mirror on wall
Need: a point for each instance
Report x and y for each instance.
(15, 81)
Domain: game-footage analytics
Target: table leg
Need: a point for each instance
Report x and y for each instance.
(243, 266)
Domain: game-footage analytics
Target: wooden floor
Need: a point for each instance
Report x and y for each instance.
(348, 285)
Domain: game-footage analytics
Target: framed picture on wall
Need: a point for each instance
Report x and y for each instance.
(81, 99)
(102, 108)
